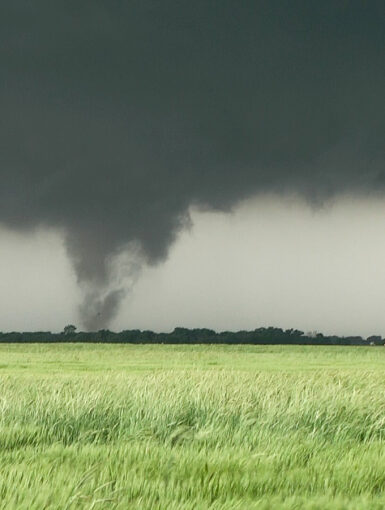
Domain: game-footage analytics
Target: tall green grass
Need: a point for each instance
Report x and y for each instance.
(199, 427)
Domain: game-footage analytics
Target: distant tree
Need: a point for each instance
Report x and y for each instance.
(69, 329)
(374, 340)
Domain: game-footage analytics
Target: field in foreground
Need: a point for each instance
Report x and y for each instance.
(191, 428)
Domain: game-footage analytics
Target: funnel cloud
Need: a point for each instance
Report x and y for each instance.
(118, 116)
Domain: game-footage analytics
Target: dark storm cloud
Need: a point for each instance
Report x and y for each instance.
(116, 116)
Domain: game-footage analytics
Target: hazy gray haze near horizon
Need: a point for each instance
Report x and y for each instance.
(117, 117)
(274, 262)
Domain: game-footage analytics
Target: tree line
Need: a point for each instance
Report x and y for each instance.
(259, 336)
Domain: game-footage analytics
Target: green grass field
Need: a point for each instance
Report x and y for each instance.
(191, 427)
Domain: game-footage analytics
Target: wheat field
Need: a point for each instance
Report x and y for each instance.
(191, 427)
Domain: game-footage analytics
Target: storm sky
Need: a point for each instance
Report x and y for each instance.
(140, 138)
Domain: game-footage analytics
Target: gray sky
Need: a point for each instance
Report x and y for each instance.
(271, 262)
(119, 118)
